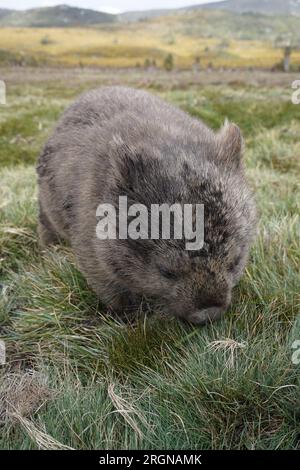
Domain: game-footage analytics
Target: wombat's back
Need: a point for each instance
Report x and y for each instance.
(121, 109)
(74, 165)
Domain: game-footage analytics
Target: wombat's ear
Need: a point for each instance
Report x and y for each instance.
(230, 144)
(126, 164)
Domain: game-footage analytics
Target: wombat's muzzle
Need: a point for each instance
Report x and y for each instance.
(207, 315)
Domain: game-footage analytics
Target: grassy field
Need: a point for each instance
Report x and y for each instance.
(209, 39)
(77, 378)
(239, 41)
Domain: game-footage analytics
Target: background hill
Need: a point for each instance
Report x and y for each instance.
(4, 12)
(61, 15)
(266, 7)
(225, 24)
(269, 7)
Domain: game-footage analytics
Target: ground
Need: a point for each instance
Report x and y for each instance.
(78, 378)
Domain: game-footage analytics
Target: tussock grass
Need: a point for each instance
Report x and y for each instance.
(277, 149)
(79, 378)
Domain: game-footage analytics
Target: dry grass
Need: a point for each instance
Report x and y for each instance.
(118, 47)
(22, 394)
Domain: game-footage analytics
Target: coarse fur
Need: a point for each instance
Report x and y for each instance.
(119, 141)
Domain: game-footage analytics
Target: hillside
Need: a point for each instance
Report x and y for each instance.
(59, 16)
(266, 7)
(228, 25)
(269, 7)
(142, 15)
(4, 12)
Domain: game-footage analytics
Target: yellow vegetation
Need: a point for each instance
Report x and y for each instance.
(129, 45)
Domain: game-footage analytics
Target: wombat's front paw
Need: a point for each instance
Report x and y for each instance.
(125, 306)
(46, 234)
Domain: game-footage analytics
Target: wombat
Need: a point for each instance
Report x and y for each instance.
(117, 141)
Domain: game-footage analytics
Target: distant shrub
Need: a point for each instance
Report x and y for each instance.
(18, 58)
(46, 40)
(10, 58)
(277, 67)
(169, 62)
(147, 63)
(224, 44)
(197, 63)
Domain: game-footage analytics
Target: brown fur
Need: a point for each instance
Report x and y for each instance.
(119, 141)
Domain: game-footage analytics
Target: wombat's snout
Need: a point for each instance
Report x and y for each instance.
(210, 313)
(207, 315)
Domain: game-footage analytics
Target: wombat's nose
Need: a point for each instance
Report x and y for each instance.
(207, 315)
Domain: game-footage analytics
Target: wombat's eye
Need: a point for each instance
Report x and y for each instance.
(167, 273)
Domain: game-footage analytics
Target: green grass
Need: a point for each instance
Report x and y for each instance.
(79, 378)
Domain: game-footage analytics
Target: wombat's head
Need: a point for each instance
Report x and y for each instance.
(192, 284)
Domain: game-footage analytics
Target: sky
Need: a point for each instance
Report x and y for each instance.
(110, 6)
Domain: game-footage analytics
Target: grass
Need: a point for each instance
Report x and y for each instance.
(240, 41)
(78, 378)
